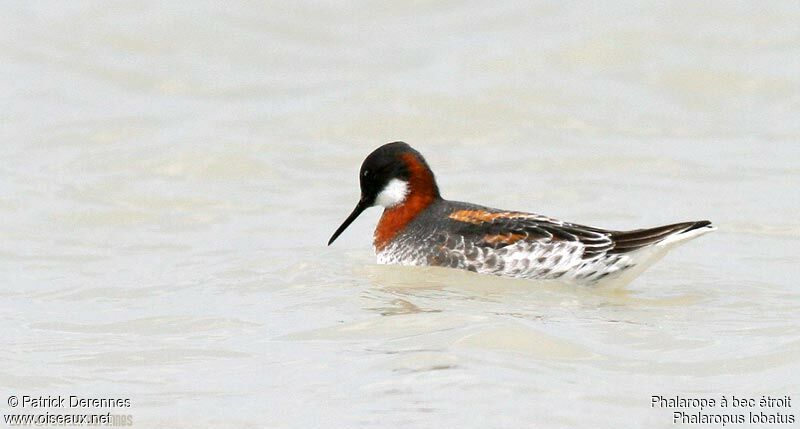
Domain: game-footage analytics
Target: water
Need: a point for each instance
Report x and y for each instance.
(171, 173)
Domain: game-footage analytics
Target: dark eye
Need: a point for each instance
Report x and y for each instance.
(365, 173)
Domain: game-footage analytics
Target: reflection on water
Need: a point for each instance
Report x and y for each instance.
(172, 172)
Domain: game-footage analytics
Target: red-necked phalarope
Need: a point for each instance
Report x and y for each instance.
(418, 227)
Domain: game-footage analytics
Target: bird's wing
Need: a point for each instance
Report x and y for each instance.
(496, 229)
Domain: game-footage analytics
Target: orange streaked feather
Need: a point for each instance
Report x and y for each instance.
(478, 217)
(509, 238)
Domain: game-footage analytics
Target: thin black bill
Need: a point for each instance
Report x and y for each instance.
(360, 207)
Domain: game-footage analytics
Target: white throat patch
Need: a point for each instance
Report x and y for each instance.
(393, 194)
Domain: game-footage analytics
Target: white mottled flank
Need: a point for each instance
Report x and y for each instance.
(393, 194)
(528, 260)
(542, 259)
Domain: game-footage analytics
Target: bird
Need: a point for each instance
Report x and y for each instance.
(419, 227)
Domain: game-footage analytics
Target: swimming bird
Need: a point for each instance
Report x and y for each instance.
(419, 227)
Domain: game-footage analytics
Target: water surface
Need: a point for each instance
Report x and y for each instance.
(172, 172)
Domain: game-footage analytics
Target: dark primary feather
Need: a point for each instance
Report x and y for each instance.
(626, 241)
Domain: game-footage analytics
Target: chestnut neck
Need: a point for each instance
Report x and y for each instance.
(422, 192)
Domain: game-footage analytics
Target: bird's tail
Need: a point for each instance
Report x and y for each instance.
(643, 247)
(667, 235)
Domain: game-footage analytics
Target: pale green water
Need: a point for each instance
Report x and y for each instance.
(171, 173)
